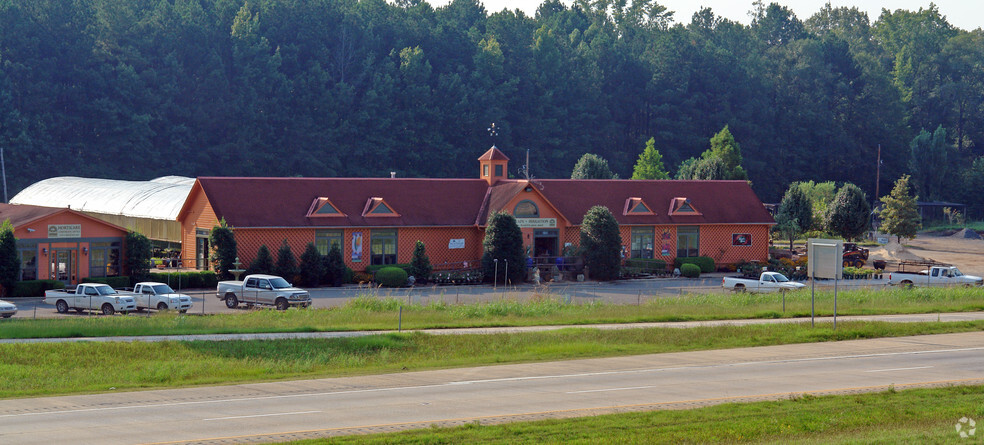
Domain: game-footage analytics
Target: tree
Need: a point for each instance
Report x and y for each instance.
(849, 214)
(263, 263)
(721, 161)
(138, 254)
(928, 163)
(503, 242)
(899, 212)
(286, 266)
(9, 259)
(224, 251)
(420, 266)
(311, 268)
(650, 163)
(334, 266)
(795, 214)
(592, 166)
(601, 243)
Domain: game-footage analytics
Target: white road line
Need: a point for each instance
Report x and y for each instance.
(261, 415)
(899, 369)
(613, 389)
(499, 380)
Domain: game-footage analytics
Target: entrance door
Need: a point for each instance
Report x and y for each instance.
(545, 245)
(201, 253)
(61, 266)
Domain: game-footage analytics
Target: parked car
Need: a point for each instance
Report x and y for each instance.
(7, 309)
(90, 296)
(767, 282)
(262, 290)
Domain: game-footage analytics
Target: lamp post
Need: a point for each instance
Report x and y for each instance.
(495, 276)
(505, 276)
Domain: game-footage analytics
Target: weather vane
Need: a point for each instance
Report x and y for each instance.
(493, 132)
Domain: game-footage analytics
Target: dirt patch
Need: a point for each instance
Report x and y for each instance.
(965, 253)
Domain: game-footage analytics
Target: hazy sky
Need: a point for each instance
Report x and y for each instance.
(964, 14)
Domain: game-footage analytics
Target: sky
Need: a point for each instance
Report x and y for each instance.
(964, 14)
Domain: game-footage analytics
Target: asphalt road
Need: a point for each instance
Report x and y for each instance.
(314, 408)
(615, 292)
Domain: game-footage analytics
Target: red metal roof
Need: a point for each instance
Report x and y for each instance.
(494, 154)
(285, 202)
(20, 214)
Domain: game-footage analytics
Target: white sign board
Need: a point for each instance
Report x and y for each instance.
(65, 231)
(825, 258)
(458, 243)
(536, 223)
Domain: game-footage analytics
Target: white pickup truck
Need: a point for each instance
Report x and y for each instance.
(262, 290)
(151, 295)
(90, 296)
(767, 282)
(934, 276)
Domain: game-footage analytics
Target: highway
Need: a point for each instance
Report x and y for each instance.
(292, 410)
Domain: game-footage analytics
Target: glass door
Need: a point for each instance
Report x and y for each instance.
(61, 266)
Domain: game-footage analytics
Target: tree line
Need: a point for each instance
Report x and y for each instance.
(146, 88)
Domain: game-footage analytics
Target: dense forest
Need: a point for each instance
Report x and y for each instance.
(143, 88)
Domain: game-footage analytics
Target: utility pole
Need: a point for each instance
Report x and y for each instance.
(3, 167)
(877, 174)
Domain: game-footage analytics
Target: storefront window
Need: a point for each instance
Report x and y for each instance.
(29, 263)
(642, 242)
(688, 241)
(104, 259)
(382, 246)
(323, 239)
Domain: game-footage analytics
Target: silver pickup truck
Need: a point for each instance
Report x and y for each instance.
(262, 290)
(90, 297)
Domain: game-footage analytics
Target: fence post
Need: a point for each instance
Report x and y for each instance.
(399, 326)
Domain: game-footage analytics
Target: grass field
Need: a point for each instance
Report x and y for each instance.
(890, 417)
(35, 369)
(372, 313)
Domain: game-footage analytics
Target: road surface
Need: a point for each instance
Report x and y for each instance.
(292, 410)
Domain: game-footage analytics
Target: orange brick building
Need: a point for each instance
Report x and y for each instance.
(65, 245)
(379, 220)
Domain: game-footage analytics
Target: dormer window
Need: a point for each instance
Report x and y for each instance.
(636, 207)
(323, 207)
(683, 207)
(378, 207)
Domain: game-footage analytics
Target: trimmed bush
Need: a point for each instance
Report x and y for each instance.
(690, 270)
(648, 265)
(378, 267)
(113, 282)
(391, 277)
(705, 263)
(35, 288)
(187, 280)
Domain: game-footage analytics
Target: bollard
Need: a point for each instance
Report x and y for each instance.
(399, 325)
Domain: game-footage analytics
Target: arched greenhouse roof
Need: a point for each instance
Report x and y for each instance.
(159, 198)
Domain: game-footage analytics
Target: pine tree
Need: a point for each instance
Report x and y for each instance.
(795, 214)
(592, 166)
(420, 266)
(650, 163)
(504, 242)
(286, 264)
(263, 263)
(334, 266)
(900, 214)
(224, 254)
(9, 259)
(601, 243)
(311, 268)
(849, 214)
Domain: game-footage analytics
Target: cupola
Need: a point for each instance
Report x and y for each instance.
(493, 165)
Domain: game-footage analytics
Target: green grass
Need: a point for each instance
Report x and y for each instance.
(940, 226)
(890, 417)
(35, 369)
(371, 313)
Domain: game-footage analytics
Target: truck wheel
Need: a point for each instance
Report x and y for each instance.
(906, 284)
(61, 306)
(162, 306)
(282, 304)
(740, 288)
(859, 264)
(183, 311)
(231, 301)
(107, 309)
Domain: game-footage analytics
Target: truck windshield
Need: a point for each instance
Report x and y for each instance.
(279, 283)
(955, 272)
(163, 289)
(106, 290)
(780, 278)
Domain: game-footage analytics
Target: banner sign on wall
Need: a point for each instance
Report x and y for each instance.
(65, 231)
(536, 223)
(741, 239)
(457, 243)
(356, 247)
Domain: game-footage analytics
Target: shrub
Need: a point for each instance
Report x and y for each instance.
(223, 243)
(311, 267)
(186, 280)
(113, 282)
(391, 277)
(377, 267)
(690, 270)
(705, 263)
(262, 264)
(602, 243)
(361, 277)
(286, 266)
(138, 253)
(647, 265)
(335, 270)
(420, 266)
(35, 288)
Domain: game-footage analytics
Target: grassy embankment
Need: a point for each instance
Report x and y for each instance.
(890, 417)
(34, 369)
(371, 313)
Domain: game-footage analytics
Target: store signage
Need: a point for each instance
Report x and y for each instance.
(64, 230)
(458, 243)
(536, 223)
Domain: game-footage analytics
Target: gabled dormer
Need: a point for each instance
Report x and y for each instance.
(378, 207)
(323, 207)
(683, 207)
(493, 166)
(637, 207)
